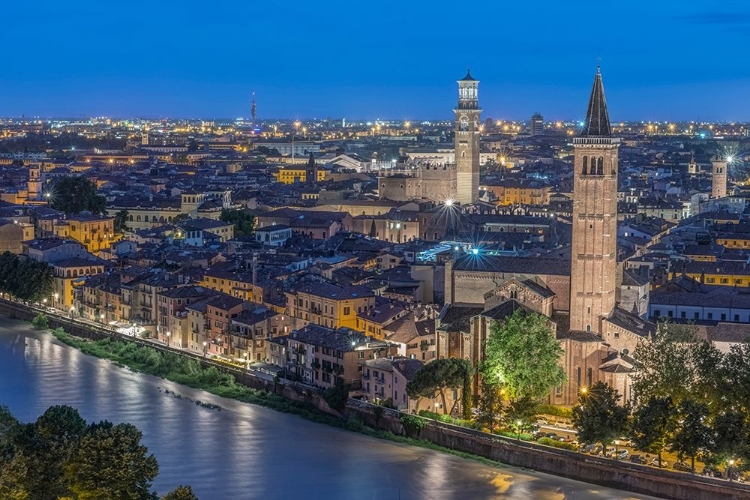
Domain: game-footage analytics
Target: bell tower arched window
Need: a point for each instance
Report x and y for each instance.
(599, 166)
(585, 164)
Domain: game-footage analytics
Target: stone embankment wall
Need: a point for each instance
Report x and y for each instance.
(606, 472)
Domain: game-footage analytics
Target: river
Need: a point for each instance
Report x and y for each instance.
(246, 451)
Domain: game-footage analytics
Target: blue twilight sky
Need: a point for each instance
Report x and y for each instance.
(661, 59)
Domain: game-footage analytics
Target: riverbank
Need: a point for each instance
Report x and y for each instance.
(189, 372)
(365, 419)
(247, 451)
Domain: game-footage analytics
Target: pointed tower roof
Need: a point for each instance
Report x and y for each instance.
(468, 77)
(311, 161)
(597, 117)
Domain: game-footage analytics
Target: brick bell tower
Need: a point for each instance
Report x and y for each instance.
(594, 250)
(467, 140)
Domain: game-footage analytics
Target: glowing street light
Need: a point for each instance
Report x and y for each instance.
(519, 423)
(449, 202)
(168, 335)
(204, 349)
(584, 390)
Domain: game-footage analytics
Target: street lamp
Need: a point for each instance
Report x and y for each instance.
(617, 442)
(519, 423)
(584, 390)
(729, 469)
(168, 335)
(72, 310)
(101, 318)
(56, 296)
(204, 349)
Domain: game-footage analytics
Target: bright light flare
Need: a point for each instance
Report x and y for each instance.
(449, 202)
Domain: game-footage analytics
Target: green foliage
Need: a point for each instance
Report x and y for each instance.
(665, 366)
(653, 423)
(730, 435)
(521, 410)
(354, 424)
(244, 223)
(60, 456)
(25, 278)
(121, 221)
(522, 355)
(336, 396)
(490, 405)
(111, 462)
(447, 373)
(598, 417)
(180, 493)
(378, 413)
(446, 419)
(692, 435)
(76, 194)
(40, 322)
(557, 444)
(413, 425)
(556, 411)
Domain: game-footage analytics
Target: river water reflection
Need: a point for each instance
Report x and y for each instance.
(245, 451)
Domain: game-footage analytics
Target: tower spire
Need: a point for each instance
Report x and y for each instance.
(597, 117)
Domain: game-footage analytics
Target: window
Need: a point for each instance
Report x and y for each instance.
(696, 315)
(585, 165)
(736, 317)
(710, 316)
(347, 310)
(578, 376)
(683, 314)
(617, 335)
(723, 317)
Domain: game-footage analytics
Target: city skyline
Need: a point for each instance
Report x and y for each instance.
(303, 61)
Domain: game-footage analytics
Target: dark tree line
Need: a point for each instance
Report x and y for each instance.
(76, 194)
(62, 456)
(690, 398)
(25, 278)
(244, 223)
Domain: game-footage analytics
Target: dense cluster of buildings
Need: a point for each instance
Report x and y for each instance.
(379, 247)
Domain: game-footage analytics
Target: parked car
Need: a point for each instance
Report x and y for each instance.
(597, 450)
(711, 471)
(624, 441)
(682, 466)
(588, 448)
(622, 455)
(637, 459)
(655, 463)
(542, 421)
(610, 452)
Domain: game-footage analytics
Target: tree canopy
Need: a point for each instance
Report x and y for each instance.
(653, 423)
(61, 456)
(121, 221)
(523, 356)
(693, 435)
(436, 376)
(244, 223)
(25, 278)
(598, 417)
(180, 493)
(76, 194)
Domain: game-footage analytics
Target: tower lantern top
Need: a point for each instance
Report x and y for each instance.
(468, 77)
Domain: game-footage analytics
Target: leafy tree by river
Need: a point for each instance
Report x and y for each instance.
(62, 456)
(25, 278)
